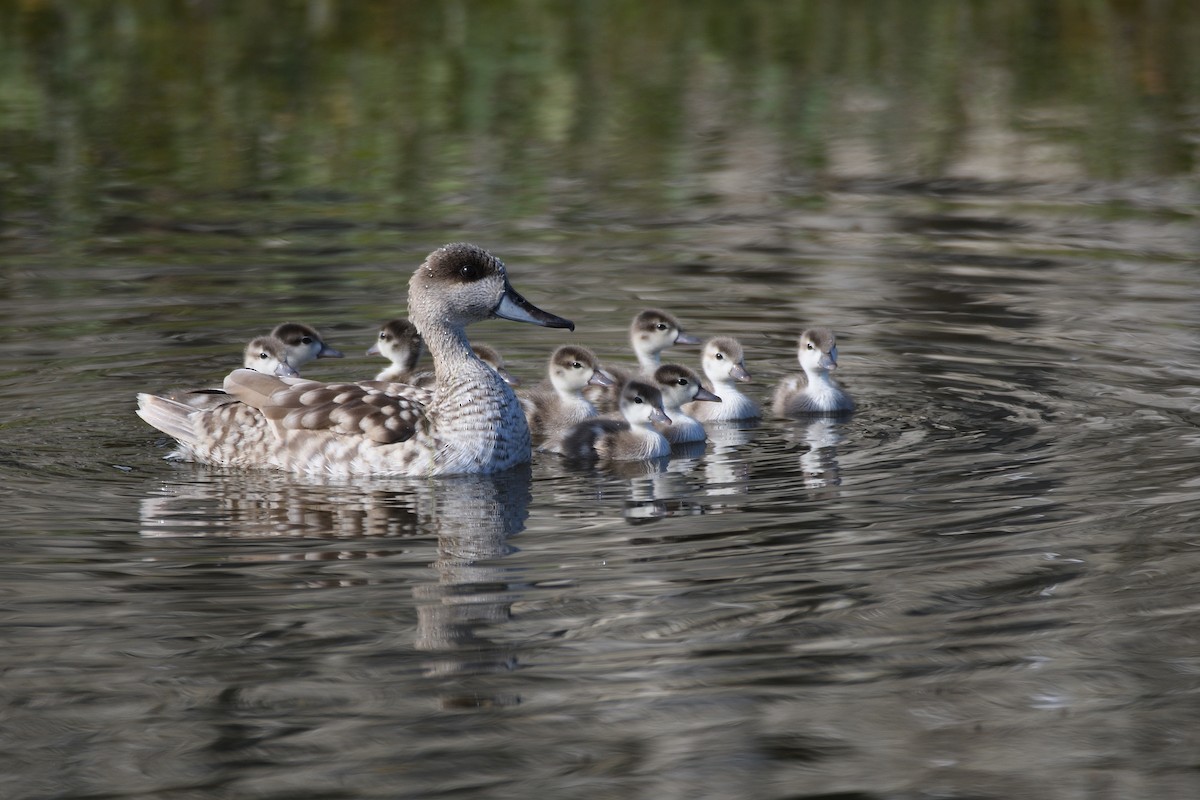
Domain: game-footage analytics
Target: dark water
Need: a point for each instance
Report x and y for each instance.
(982, 585)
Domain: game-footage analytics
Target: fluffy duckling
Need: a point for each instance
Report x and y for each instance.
(303, 343)
(813, 391)
(680, 385)
(631, 438)
(399, 342)
(557, 403)
(264, 354)
(724, 364)
(651, 332)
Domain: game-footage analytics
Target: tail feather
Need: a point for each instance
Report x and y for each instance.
(169, 416)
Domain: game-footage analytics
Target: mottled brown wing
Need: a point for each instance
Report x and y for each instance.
(407, 391)
(344, 408)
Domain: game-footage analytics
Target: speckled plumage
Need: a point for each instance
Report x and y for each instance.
(813, 391)
(471, 422)
(724, 365)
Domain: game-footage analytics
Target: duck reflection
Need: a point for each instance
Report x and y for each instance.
(471, 519)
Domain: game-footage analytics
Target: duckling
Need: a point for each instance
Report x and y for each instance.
(813, 391)
(680, 385)
(557, 403)
(651, 332)
(303, 343)
(264, 354)
(472, 422)
(724, 363)
(399, 342)
(631, 438)
(490, 356)
(268, 355)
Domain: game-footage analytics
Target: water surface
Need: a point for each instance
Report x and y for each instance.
(981, 585)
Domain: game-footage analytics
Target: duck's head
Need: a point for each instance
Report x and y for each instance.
(642, 404)
(399, 341)
(268, 355)
(303, 343)
(818, 350)
(724, 359)
(459, 284)
(654, 330)
(573, 367)
(679, 385)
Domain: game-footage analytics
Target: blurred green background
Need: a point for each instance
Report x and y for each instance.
(515, 110)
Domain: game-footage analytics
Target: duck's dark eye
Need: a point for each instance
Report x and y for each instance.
(576, 365)
(470, 272)
(306, 340)
(682, 382)
(638, 400)
(383, 337)
(720, 356)
(812, 346)
(662, 326)
(264, 356)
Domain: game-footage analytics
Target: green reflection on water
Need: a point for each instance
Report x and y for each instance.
(504, 111)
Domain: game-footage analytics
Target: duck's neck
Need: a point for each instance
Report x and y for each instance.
(452, 354)
(820, 381)
(649, 360)
(724, 386)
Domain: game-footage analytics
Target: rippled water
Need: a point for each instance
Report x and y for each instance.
(982, 585)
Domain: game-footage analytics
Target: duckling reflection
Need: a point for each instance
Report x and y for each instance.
(726, 471)
(463, 591)
(819, 462)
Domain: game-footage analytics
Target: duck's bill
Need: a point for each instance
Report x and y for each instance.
(686, 338)
(739, 373)
(600, 378)
(516, 308)
(660, 416)
(705, 394)
(826, 362)
(508, 377)
(373, 350)
(328, 352)
(286, 370)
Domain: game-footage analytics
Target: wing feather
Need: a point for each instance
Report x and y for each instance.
(349, 409)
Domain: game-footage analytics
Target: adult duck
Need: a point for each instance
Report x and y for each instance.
(470, 423)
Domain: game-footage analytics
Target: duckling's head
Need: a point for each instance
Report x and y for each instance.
(641, 404)
(679, 385)
(303, 343)
(268, 355)
(573, 367)
(459, 284)
(818, 350)
(399, 341)
(654, 330)
(724, 359)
